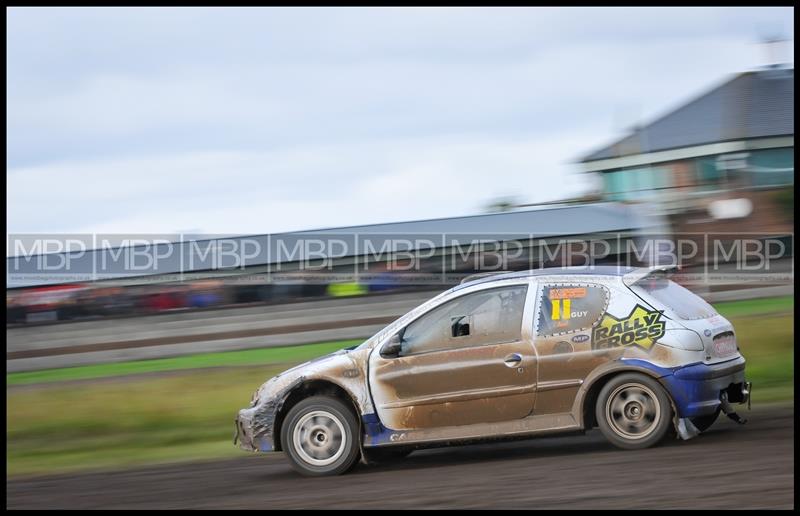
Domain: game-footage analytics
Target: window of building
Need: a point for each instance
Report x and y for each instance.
(710, 175)
(771, 167)
(613, 186)
(635, 183)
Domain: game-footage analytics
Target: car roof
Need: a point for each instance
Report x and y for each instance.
(596, 270)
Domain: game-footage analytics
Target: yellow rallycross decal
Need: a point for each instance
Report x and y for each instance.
(640, 328)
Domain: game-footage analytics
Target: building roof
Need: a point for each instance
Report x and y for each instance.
(568, 219)
(750, 105)
(550, 222)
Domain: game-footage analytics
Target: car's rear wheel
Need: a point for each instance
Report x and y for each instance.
(320, 436)
(703, 423)
(633, 411)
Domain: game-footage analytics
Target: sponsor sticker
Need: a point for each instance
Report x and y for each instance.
(641, 328)
(562, 309)
(580, 338)
(567, 293)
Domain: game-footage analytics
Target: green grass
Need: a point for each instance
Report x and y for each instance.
(288, 354)
(765, 334)
(767, 343)
(747, 307)
(61, 427)
(129, 419)
(56, 426)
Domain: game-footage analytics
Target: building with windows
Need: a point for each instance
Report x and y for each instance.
(722, 162)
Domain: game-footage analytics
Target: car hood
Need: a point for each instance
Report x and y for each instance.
(318, 361)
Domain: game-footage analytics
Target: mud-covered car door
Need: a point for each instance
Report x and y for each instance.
(469, 360)
(566, 315)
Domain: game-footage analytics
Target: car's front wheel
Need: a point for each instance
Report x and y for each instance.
(633, 411)
(320, 436)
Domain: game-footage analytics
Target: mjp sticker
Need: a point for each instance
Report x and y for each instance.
(640, 328)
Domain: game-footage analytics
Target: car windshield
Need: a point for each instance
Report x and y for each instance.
(680, 301)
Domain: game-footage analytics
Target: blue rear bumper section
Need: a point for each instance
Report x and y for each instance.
(696, 388)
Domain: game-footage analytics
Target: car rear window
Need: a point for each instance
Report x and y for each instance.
(680, 301)
(566, 308)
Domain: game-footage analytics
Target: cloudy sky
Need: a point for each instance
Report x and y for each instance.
(262, 120)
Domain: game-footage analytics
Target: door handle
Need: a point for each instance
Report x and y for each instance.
(513, 359)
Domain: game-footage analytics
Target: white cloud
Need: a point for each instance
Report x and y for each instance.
(299, 188)
(240, 120)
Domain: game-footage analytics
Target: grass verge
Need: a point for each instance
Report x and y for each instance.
(748, 307)
(61, 427)
(247, 357)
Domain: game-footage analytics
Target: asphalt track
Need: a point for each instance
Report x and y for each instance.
(730, 467)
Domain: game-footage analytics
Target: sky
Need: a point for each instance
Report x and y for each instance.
(261, 120)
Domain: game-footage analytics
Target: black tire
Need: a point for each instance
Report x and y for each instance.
(703, 423)
(315, 423)
(387, 454)
(633, 411)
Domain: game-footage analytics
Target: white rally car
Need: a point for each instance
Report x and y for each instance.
(506, 356)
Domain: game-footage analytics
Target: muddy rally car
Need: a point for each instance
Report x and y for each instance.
(507, 356)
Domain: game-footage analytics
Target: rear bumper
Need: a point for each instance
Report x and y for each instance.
(697, 388)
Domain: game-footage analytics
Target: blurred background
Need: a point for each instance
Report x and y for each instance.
(428, 144)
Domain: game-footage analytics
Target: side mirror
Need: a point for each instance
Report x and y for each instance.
(393, 347)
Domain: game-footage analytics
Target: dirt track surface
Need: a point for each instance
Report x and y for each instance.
(728, 467)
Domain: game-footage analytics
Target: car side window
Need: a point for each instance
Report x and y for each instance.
(491, 316)
(565, 308)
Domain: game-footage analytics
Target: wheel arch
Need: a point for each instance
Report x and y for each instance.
(305, 389)
(587, 395)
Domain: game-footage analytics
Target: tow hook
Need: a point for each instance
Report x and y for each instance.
(748, 388)
(728, 410)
